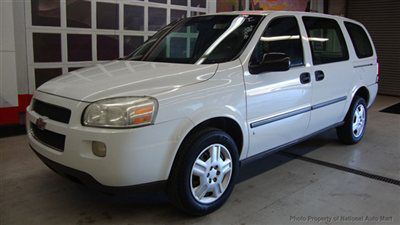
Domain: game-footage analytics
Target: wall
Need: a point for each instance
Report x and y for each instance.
(292, 5)
(8, 75)
(230, 5)
(317, 6)
(288, 5)
(9, 110)
(337, 7)
(54, 37)
(20, 47)
(63, 36)
(382, 20)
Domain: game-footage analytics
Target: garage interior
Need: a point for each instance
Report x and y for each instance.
(318, 181)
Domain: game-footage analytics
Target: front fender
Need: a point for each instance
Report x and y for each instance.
(223, 95)
(225, 111)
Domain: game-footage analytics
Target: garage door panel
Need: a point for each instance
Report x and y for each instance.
(382, 20)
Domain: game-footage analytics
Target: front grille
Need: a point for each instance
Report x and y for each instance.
(49, 138)
(53, 112)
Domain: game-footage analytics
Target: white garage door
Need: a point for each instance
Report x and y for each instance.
(66, 35)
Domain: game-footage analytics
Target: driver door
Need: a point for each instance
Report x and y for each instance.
(278, 103)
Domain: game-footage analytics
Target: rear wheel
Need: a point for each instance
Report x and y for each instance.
(353, 129)
(204, 172)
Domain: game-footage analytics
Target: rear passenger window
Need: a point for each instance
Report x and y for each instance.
(282, 35)
(360, 40)
(326, 40)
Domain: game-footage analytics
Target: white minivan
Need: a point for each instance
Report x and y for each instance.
(202, 97)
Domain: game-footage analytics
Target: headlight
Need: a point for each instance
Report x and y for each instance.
(123, 112)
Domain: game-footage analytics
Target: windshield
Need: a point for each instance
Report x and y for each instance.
(203, 39)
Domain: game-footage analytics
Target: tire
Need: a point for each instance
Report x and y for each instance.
(357, 116)
(192, 193)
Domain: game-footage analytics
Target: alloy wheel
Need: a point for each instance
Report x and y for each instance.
(211, 173)
(358, 120)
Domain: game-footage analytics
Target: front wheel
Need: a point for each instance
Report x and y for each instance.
(353, 129)
(204, 172)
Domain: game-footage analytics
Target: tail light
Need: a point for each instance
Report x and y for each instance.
(378, 76)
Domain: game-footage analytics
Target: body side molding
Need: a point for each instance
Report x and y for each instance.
(295, 112)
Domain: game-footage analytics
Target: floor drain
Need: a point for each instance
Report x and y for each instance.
(343, 168)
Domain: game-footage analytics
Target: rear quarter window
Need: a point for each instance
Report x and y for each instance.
(326, 40)
(360, 40)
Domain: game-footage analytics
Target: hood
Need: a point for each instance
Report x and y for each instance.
(126, 78)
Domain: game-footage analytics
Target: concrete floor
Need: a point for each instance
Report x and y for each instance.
(295, 192)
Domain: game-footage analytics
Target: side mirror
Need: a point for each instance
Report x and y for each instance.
(272, 62)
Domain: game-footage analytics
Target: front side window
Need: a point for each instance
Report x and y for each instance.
(282, 35)
(360, 40)
(187, 40)
(326, 40)
(232, 45)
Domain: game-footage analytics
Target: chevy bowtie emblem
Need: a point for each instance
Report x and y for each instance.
(40, 123)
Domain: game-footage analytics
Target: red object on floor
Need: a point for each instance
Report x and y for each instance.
(10, 115)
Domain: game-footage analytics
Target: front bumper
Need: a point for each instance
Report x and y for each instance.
(87, 180)
(134, 156)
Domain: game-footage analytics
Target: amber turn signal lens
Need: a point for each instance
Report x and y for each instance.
(144, 110)
(142, 119)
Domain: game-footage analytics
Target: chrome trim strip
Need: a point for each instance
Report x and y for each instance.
(330, 102)
(364, 65)
(280, 117)
(295, 112)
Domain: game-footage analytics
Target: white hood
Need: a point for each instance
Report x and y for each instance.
(126, 78)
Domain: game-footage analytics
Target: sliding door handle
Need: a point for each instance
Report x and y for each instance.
(319, 75)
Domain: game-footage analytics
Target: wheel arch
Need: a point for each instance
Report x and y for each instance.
(225, 123)
(357, 90)
(362, 92)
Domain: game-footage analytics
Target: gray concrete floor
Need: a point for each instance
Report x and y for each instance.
(295, 192)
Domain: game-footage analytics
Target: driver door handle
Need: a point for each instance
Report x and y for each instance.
(305, 78)
(319, 75)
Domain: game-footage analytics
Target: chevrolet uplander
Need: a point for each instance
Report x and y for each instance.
(201, 98)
